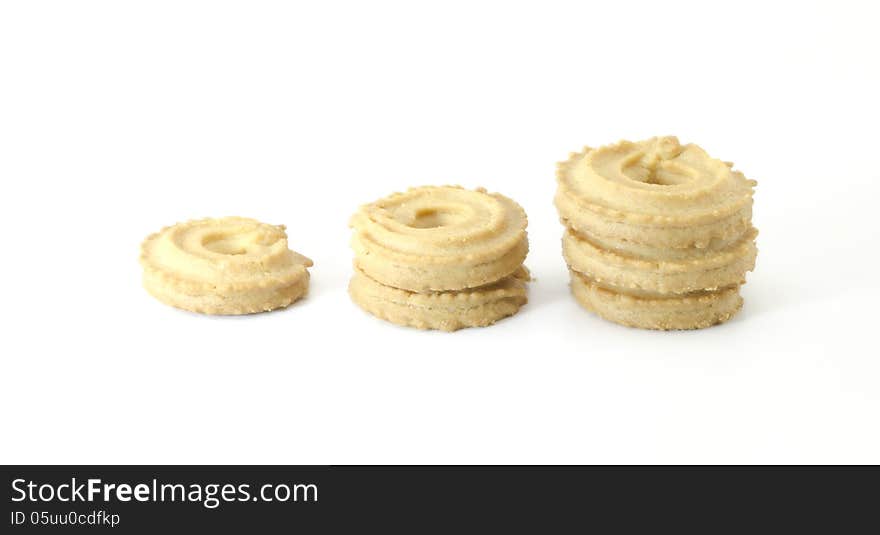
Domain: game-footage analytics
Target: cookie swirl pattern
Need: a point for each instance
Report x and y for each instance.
(440, 257)
(230, 265)
(656, 226)
(440, 238)
(654, 192)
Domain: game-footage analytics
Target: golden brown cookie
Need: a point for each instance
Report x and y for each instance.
(231, 265)
(432, 239)
(655, 192)
(690, 311)
(448, 310)
(689, 270)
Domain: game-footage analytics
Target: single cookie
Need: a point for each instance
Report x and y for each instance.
(431, 239)
(231, 265)
(648, 252)
(654, 192)
(447, 311)
(690, 270)
(692, 311)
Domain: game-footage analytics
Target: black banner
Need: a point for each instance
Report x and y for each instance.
(315, 499)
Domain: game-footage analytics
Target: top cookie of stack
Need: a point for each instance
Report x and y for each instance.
(440, 257)
(659, 234)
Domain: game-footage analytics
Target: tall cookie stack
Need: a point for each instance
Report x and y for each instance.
(658, 234)
(440, 258)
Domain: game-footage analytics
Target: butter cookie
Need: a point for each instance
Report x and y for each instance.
(231, 265)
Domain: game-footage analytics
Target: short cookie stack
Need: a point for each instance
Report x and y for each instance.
(231, 265)
(440, 258)
(658, 234)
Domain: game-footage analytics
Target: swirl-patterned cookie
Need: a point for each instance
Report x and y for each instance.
(447, 311)
(655, 192)
(231, 265)
(696, 310)
(687, 270)
(432, 239)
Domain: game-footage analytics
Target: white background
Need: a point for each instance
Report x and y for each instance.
(117, 118)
